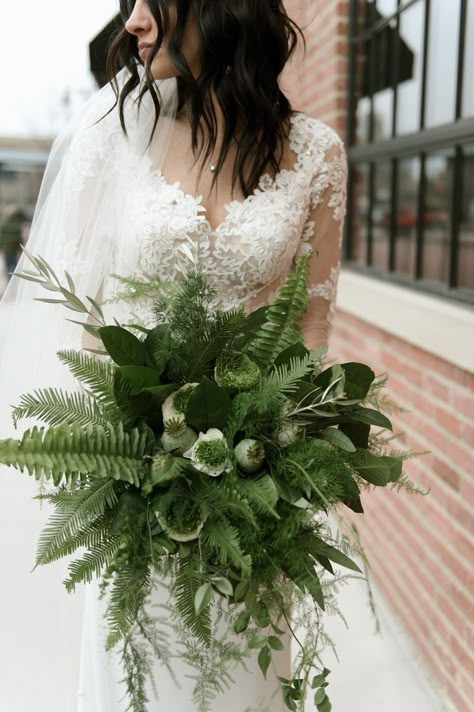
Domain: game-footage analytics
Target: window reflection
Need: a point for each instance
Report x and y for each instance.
(406, 216)
(410, 68)
(466, 234)
(360, 223)
(381, 214)
(383, 98)
(468, 90)
(437, 217)
(442, 61)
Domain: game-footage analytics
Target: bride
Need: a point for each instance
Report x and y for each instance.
(191, 152)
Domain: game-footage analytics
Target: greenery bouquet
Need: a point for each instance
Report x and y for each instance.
(205, 454)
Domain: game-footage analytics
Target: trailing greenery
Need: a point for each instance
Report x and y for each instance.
(205, 454)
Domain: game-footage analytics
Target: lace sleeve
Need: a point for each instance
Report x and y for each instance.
(323, 234)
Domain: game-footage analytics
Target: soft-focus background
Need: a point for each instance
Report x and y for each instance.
(396, 79)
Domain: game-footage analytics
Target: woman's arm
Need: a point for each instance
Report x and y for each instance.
(323, 233)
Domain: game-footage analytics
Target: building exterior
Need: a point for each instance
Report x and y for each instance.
(396, 79)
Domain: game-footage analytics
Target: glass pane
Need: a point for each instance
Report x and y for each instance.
(468, 90)
(410, 68)
(437, 216)
(466, 236)
(360, 219)
(442, 61)
(386, 7)
(383, 90)
(362, 89)
(381, 214)
(407, 216)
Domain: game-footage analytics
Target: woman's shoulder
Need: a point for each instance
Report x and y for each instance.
(311, 134)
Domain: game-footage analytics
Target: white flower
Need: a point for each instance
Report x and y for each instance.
(210, 453)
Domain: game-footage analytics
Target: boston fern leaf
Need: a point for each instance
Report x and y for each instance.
(286, 376)
(130, 589)
(75, 512)
(56, 407)
(71, 452)
(261, 494)
(92, 564)
(222, 538)
(97, 375)
(90, 535)
(188, 581)
(282, 327)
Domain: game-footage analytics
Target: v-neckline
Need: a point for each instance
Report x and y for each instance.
(272, 180)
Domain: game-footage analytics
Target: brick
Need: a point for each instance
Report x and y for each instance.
(462, 402)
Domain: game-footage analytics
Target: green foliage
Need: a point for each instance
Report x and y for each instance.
(189, 580)
(56, 407)
(282, 327)
(97, 375)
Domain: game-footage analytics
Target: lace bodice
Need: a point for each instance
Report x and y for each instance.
(248, 256)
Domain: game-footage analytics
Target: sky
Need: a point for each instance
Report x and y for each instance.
(43, 54)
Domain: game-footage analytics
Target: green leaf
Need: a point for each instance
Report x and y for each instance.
(297, 350)
(320, 547)
(157, 346)
(140, 377)
(241, 591)
(161, 393)
(338, 439)
(319, 696)
(123, 347)
(275, 643)
(257, 641)
(371, 417)
(288, 699)
(261, 615)
(358, 433)
(325, 705)
(223, 585)
(395, 466)
(242, 622)
(203, 597)
(264, 660)
(358, 379)
(208, 407)
(370, 467)
(130, 506)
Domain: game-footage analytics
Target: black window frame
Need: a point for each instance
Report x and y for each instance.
(417, 144)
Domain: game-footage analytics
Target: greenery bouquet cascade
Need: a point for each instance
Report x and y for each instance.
(204, 455)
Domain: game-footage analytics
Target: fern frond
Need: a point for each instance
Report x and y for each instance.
(128, 594)
(188, 581)
(57, 407)
(90, 535)
(72, 451)
(223, 539)
(286, 376)
(261, 493)
(77, 510)
(283, 321)
(96, 374)
(92, 563)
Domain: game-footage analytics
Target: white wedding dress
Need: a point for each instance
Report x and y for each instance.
(51, 652)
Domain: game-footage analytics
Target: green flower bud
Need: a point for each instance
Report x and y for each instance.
(237, 370)
(174, 407)
(182, 518)
(250, 455)
(178, 444)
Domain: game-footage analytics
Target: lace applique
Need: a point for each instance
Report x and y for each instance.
(250, 253)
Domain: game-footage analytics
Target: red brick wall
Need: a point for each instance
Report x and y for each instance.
(421, 549)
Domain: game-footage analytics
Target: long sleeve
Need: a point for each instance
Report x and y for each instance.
(323, 234)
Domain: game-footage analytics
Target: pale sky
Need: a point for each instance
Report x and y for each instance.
(43, 53)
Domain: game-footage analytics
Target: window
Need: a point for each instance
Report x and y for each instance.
(411, 143)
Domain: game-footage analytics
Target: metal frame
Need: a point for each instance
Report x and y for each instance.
(454, 136)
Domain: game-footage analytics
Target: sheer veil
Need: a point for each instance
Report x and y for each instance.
(80, 224)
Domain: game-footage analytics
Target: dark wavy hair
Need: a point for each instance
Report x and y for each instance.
(244, 46)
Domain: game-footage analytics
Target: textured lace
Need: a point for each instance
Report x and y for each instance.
(248, 256)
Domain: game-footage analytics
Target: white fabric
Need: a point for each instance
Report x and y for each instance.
(109, 209)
